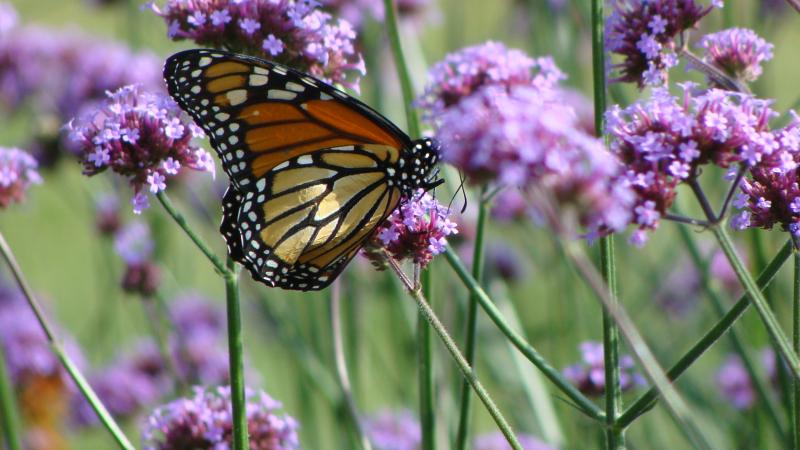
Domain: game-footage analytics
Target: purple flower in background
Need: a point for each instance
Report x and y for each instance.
(291, 32)
(418, 230)
(589, 375)
(664, 139)
(393, 430)
(643, 32)
(192, 314)
(510, 204)
(737, 52)
(358, 11)
(17, 173)
(141, 136)
(527, 139)
(504, 261)
(8, 18)
(204, 422)
(463, 73)
(135, 246)
(107, 214)
(734, 383)
(770, 193)
(496, 441)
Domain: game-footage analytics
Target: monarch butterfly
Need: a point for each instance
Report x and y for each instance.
(312, 170)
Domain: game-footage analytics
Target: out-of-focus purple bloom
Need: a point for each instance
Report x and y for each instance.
(738, 52)
(463, 73)
(204, 422)
(643, 32)
(291, 32)
(107, 214)
(503, 261)
(17, 173)
(135, 246)
(664, 139)
(193, 313)
(523, 138)
(720, 269)
(770, 193)
(510, 204)
(496, 441)
(734, 383)
(418, 230)
(589, 375)
(135, 134)
(393, 430)
(8, 18)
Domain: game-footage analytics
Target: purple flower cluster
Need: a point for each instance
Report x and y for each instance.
(417, 230)
(664, 139)
(496, 441)
(142, 136)
(205, 422)
(525, 139)
(393, 430)
(770, 194)
(643, 32)
(292, 32)
(589, 375)
(135, 246)
(107, 214)
(465, 72)
(737, 52)
(734, 383)
(17, 173)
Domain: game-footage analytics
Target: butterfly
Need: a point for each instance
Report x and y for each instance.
(313, 171)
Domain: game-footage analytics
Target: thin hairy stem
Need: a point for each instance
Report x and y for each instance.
(427, 391)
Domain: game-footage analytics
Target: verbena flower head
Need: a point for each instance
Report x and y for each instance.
(663, 140)
(17, 173)
(462, 73)
(738, 52)
(107, 214)
(734, 383)
(8, 18)
(509, 205)
(358, 11)
(503, 261)
(589, 375)
(292, 32)
(205, 422)
(418, 230)
(496, 441)
(193, 314)
(135, 246)
(393, 430)
(526, 139)
(770, 195)
(643, 32)
(143, 137)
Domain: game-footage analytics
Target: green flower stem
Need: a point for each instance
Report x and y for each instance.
(160, 332)
(427, 390)
(615, 437)
(737, 341)
(581, 401)
(181, 221)
(412, 119)
(472, 316)
(648, 399)
(796, 346)
(8, 411)
(462, 364)
(341, 366)
(759, 302)
(80, 381)
(236, 357)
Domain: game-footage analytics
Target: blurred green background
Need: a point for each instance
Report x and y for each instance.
(76, 272)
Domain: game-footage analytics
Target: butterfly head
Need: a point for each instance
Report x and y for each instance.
(418, 167)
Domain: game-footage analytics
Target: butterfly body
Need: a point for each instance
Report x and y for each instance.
(313, 171)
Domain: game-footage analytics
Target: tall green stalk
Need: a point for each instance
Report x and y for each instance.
(55, 345)
(615, 437)
(236, 357)
(461, 363)
(796, 346)
(393, 32)
(427, 390)
(472, 319)
(8, 408)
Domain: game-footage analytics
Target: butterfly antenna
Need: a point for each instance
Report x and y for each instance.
(460, 188)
